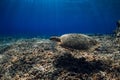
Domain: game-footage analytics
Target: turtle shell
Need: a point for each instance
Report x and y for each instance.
(77, 41)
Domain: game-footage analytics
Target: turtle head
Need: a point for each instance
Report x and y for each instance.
(55, 38)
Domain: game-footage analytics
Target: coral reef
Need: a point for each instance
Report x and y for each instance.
(41, 59)
(117, 32)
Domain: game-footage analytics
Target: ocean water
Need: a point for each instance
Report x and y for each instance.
(56, 17)
(28, 53)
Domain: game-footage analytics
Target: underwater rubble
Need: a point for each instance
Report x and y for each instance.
(42, 59)
(36, 59)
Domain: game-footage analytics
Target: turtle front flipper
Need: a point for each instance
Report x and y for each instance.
(55, 38)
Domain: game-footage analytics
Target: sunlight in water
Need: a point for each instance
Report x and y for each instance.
(30, 1)
(78, 1)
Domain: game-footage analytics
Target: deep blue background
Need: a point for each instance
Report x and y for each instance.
(54, 17)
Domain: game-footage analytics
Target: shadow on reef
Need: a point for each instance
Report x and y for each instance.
(71, 64)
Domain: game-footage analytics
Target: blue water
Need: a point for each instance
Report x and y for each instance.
(54, 17)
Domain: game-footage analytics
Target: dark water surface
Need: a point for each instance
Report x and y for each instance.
(54, 17)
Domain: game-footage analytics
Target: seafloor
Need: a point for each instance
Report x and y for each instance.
(41, 59)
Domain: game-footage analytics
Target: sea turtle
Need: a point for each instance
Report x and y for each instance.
(75, 41)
